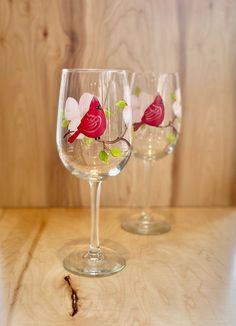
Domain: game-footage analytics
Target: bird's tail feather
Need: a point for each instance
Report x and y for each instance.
(137, 125)
(73, 137)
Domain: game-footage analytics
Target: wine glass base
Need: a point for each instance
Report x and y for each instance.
(144, 226)
(79, 263)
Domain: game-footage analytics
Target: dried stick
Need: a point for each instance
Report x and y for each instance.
(74, 297)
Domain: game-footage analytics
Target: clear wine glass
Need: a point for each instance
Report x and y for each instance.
(94, 135)
(157, 112)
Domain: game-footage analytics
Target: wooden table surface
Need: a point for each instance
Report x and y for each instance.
(185, 277)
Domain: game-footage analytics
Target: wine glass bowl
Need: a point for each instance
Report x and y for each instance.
(83, 157)
(94, 136)
(157, 113)
(154, 142)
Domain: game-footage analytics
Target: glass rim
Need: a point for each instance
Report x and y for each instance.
(154, 73)
(95, 70)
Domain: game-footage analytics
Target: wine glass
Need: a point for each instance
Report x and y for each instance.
(94, 135)
(157, 112)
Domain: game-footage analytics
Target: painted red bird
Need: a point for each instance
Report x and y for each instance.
(153, 115)
(93, 123)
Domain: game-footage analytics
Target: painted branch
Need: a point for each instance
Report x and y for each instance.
(119, 138)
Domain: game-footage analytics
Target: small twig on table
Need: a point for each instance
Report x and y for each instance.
(74, 297)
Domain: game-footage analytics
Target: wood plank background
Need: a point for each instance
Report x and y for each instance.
(196, 38)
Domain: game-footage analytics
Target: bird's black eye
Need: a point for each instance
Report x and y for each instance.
(98, 107)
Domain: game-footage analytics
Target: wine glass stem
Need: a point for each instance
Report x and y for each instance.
(94, 247)
(147, 189)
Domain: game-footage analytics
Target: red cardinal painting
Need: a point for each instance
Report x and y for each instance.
(93, 123)
(153, 115)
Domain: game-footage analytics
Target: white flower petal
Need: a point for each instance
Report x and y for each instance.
(127, 115)
(177, 109)
(135, 108)
(178, 95)
(145, 100)
(71, 109)
(75, 111)
(73, 127)
(139, 105)
(74, 124)
(84, 103)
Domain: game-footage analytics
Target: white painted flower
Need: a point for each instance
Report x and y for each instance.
(75, 111)
(127, 116)
(176, 106)
(178, 95)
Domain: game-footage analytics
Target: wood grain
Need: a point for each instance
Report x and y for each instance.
(196, 38)
(185, 277)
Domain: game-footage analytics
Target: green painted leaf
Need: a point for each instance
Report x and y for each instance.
(65, 123)
(173, 97)
(115, 151)
(143, 127)
(171, 138)
(137, 91)
(121, 104)
(88, 141)
(108, 112)
(103, 156)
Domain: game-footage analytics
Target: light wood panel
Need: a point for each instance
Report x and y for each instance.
(196, 38)
(185, 277)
